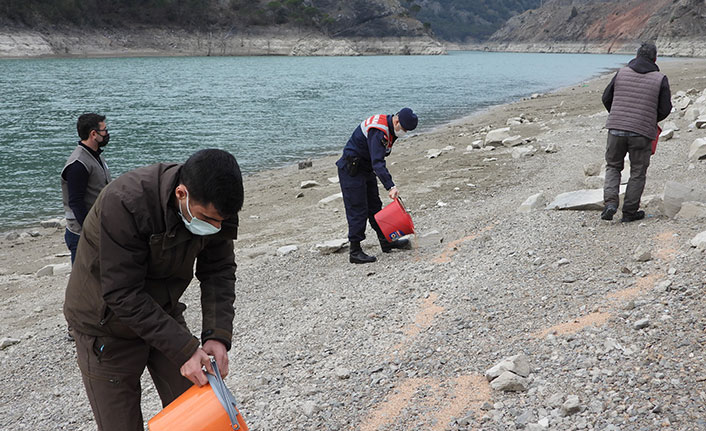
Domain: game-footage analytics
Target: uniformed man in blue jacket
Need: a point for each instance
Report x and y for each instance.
(363, 159)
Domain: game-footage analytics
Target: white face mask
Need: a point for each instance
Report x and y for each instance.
(400, 133)
(196, 226)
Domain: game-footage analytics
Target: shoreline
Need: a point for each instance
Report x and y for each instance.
(458, 122)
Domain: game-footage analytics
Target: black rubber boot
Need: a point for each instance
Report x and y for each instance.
(608, 212)
(387, 247)
(629, 217)
(357, 255)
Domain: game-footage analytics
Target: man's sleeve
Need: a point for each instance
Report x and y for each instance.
(608, 94)
(123, 254)
(665, 100)
(76, 176)
(215, 269)
(376, 147)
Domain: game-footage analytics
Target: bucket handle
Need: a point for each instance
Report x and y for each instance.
(225, 397)
(399, 199)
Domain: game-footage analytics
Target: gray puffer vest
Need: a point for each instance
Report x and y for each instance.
(635, 102)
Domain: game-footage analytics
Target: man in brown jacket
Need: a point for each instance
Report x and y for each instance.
(637, 98)
(134, 261)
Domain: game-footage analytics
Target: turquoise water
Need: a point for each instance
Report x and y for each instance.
(268, 111)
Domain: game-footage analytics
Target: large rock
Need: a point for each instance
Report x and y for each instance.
(666, 134)
(699, 241)
(521, 152)
(532, 203)
(667, 125)
(286, 249)
(691, 211)
(513, 141)
(518, 364)
(496, 137)
(682, 103)
(331, 246)
(509, 382)
(580, 200)
(692, 114)
(676, 193)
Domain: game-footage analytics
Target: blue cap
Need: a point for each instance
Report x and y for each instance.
(408, 119)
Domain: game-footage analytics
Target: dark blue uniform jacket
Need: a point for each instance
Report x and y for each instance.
(371, 152)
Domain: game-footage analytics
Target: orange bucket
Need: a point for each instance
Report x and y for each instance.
(201, 408)
(394, 221)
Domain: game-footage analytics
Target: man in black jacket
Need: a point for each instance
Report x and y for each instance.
(638, 97)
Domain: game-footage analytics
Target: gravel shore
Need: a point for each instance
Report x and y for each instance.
(614, 341)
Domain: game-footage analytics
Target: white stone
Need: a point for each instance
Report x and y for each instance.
(580, 200)
(309, 408)
(333, 180)
(691, 211)
(448, 148)
(477, 143)
(45, 270)
(441, 204)
(666, 134)
(54, 222)
(513, 141)
(287, 249)
(532, 203)
(62, 268)
(495, 137)
(429, 239)
(670, 125)
(331, 246)
(330, 199)
(517, 364)
(509, 382)
(692, 114)
(343, 373)
(308, 184)
(521, 152)
(642, 323)
(551, 148)
(676, 193)
(513, 121)
(699, 241)
(642, 254)
(682, 103)
(592, 169)
(7, 342)
(571, 405)
(701, 122)
(433, 153)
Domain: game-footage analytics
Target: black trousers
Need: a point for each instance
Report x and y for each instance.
(362, 202)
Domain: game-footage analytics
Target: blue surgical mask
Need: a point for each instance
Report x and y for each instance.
(196, 226)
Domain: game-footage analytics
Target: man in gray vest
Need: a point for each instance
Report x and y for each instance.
(637, 98)
(84, 175)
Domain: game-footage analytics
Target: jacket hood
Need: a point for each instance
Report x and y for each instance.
(643, 65)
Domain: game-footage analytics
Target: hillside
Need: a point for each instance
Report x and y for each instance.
(678, 26)
(461, 20)
(211, 27)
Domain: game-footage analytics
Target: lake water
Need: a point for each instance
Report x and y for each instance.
(267, 111)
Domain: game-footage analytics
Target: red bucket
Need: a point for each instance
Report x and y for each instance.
(394, 221)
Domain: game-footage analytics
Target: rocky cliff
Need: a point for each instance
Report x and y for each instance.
(292, 27)
(605, 26)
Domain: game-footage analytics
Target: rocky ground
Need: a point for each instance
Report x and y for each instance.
(607, 317)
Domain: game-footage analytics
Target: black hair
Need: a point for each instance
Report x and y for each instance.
(88, 122)
(647, 50)
(213, 177)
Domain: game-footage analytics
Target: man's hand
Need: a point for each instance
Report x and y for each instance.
(393, 193)
(191, 369)
(218, 350)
